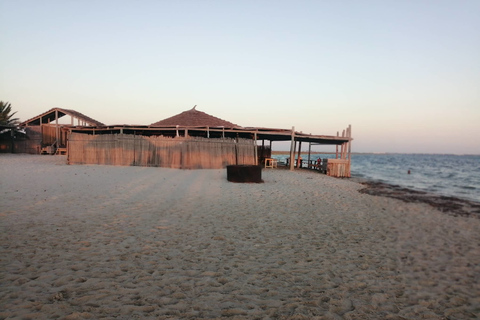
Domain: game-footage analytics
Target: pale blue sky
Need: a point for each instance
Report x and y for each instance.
(404, 74)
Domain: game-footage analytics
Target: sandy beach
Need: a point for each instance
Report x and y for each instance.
(106, 242)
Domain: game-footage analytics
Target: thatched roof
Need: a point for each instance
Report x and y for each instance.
(194, 118)
(49, 116)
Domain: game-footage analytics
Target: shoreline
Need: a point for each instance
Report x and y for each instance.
(110, 242)
(430, 187)
(448, 204)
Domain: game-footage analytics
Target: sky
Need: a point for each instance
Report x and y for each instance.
(405, 74)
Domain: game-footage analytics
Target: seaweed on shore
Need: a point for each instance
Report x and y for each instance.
(451, 205)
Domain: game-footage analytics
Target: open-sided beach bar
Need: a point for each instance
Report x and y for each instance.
(190, 140)
(190, 147)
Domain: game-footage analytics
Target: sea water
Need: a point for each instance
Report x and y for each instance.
(449, 175)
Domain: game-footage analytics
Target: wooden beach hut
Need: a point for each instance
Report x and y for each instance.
(46, 135)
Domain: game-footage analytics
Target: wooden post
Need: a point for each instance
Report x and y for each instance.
(309, 151)
(208, 132)
(256, 149)
(56, 128)
(177, 131)
(68, 143)
(299, 164)
(292, 149)
(350, 142)
(270, 143)
(336, 148)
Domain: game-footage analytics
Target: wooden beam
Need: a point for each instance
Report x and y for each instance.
(299, 153)
(56, 127)
(256, 149)
(336, 148)
(309, 151)
(350, 142)
(292, 149)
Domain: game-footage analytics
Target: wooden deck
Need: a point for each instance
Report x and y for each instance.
(339, 168)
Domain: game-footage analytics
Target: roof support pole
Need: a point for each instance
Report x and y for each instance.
(256, 149)
(350, 142)
(177, 130)
(56, 128)
(336, 148)
(309, 151)
(292, 149)
(299, 155)
(262, 154)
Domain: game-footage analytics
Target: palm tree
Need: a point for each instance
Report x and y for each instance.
(8, 124)
(6, 115)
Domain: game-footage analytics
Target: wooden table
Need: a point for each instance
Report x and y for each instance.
(270, 163)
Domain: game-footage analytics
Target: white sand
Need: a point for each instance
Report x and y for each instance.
(91, 242)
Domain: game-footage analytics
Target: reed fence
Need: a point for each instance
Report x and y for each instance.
(159, 151)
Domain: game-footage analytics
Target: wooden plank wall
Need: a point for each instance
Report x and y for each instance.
(339, 168)
(159, 151)
(49, 135)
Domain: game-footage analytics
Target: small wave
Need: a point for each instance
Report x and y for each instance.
(465, 187)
